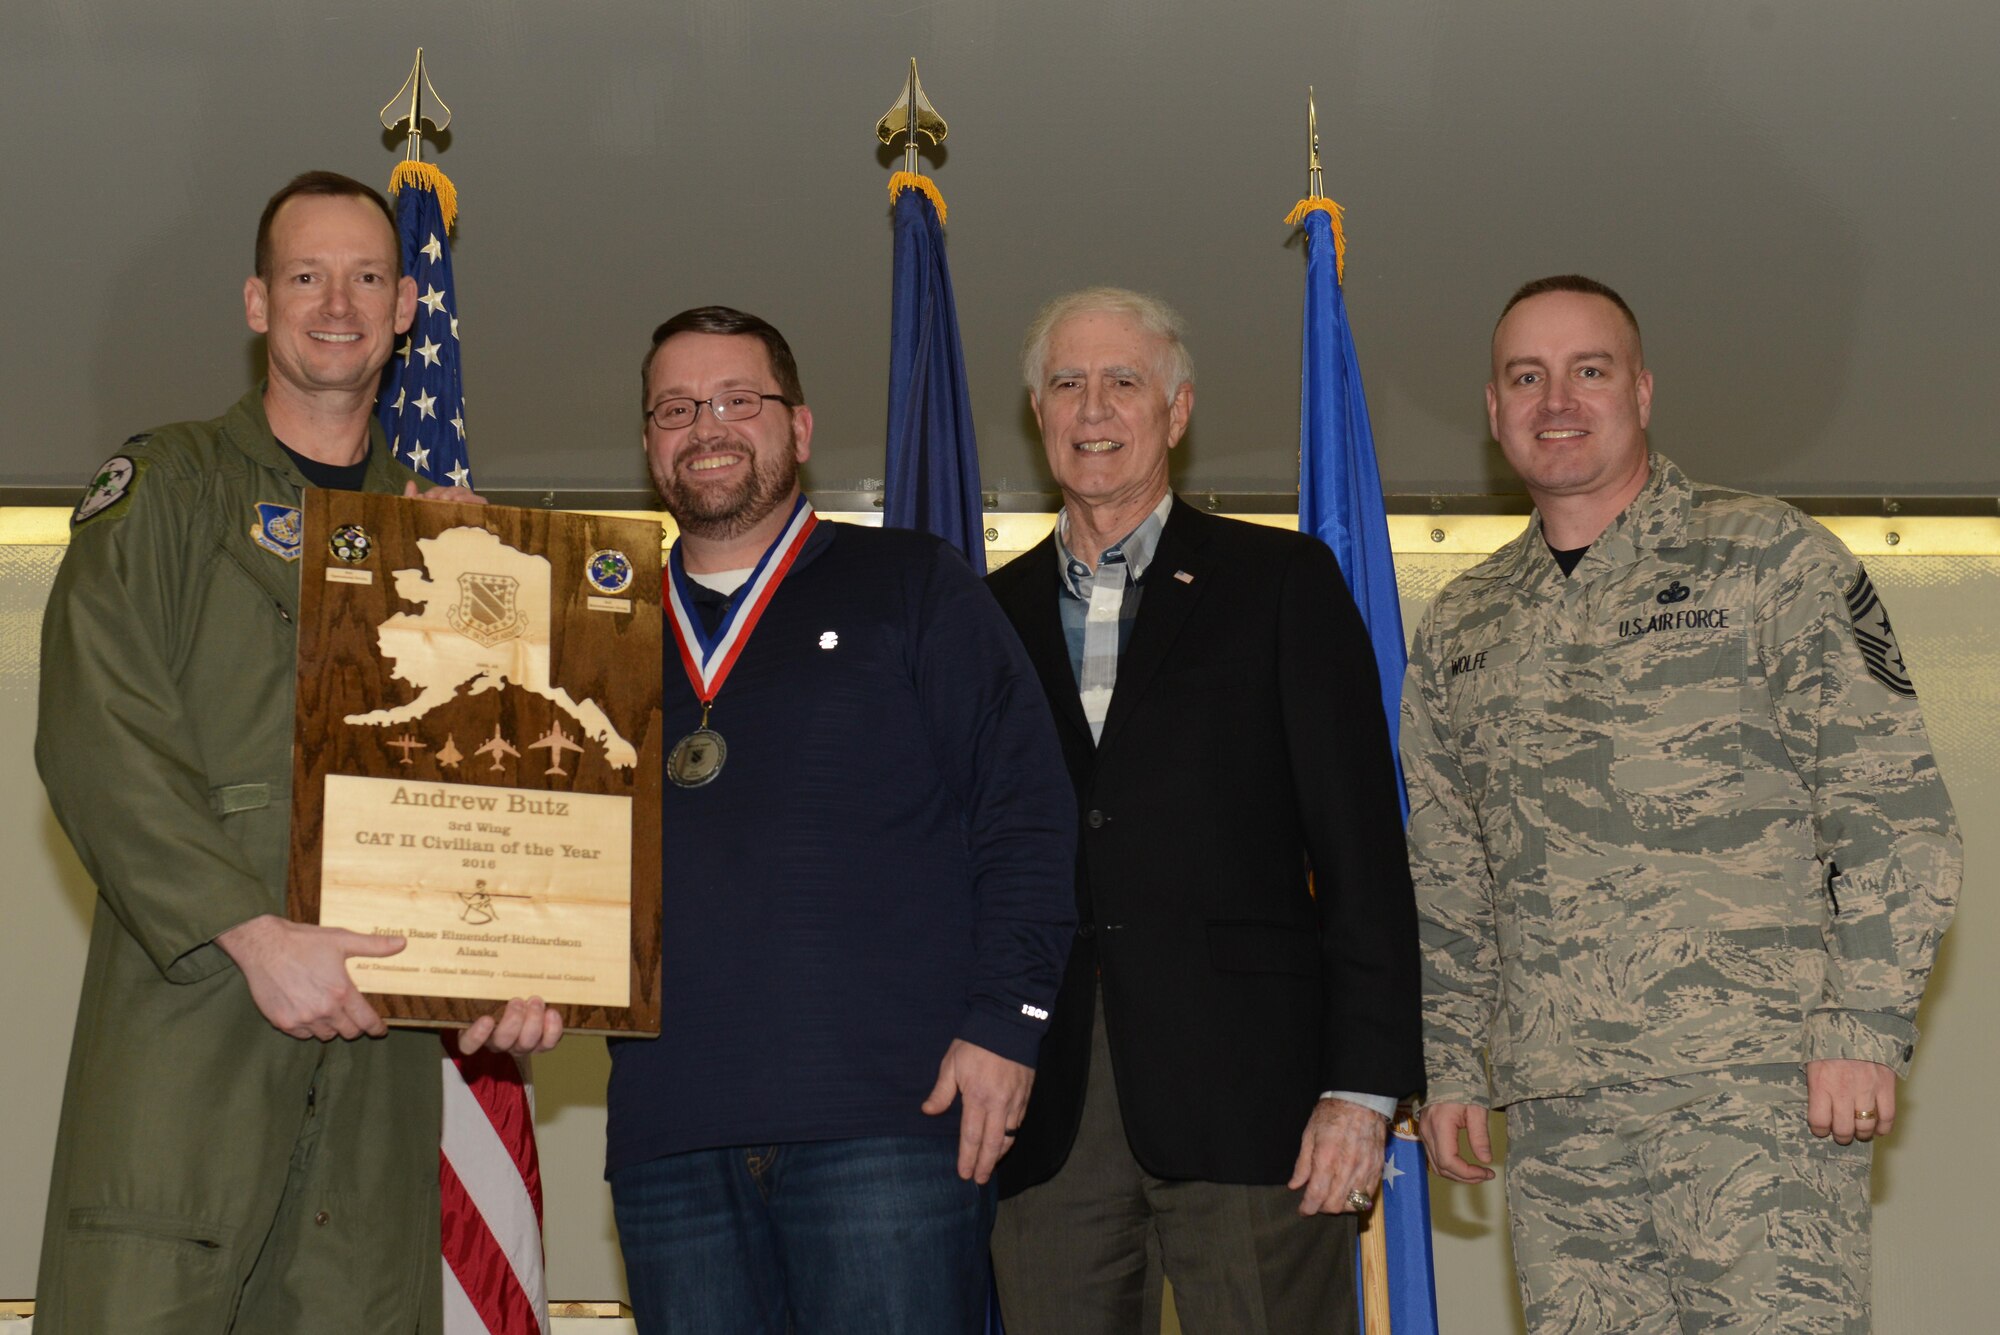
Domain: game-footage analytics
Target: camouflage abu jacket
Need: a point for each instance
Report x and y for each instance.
(1674, 813)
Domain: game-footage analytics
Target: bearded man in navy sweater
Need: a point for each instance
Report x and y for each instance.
(867, 904)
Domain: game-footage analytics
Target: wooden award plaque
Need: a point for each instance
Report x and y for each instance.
(476, 764)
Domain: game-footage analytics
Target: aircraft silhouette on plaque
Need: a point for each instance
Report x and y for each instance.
(555, 741)
(496, 746)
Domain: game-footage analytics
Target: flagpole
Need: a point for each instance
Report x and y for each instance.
(930, 474)
(1340, 503)
(489, 1177)
(1374, 1274)
(409, 105)
(909, 116)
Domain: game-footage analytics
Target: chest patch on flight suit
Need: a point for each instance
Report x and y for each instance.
(109, 485)
(279, 529)
(1876, 640)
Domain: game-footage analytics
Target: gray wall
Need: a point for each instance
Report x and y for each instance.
(1797, 195)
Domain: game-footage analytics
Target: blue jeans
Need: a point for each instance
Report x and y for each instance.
(871, 1236)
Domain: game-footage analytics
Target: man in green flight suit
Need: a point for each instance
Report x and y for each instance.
(1682, 859)
(244, 1146)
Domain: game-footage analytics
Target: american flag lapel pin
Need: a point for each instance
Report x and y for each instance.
(1183, 577)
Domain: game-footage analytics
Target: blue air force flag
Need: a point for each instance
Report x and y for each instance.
(1340, 488)
(1340, 503)
(1406, 1217)
(931, 481)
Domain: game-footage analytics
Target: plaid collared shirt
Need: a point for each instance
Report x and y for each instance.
(1098, 607)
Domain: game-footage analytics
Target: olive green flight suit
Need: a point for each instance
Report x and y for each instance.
(211, 1174)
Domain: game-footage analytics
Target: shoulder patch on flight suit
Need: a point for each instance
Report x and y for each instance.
(111, 484)
(279, 529)
(1873, 635)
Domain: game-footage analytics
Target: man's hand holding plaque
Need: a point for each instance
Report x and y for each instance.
(527, 1025)
(297, 975)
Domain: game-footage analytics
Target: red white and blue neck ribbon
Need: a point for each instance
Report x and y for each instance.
(708, 656)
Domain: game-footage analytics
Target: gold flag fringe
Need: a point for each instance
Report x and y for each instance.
(1321, 204)
(902, 181)
(427, 176)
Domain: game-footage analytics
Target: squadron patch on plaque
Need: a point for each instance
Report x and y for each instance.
(1876, 640)
(351, 543)
(108, 487)
(279, 529)
(608, 571)
(488, 608)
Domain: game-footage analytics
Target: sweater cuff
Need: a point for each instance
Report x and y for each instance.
(1016, 1042)
(1868, 1036)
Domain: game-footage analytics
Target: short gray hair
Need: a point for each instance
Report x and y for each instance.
(1151, 314)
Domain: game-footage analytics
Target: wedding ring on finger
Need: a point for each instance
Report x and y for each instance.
(1868, 1116)
(1360, 1200)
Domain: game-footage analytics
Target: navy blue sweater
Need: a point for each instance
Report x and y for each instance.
(884, 864)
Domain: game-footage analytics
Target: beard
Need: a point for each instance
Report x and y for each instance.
(718, 513)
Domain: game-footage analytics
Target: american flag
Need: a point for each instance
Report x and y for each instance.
(489, 1175)
(422, 402)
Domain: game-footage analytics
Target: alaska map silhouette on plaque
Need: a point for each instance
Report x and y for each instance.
(484, 624)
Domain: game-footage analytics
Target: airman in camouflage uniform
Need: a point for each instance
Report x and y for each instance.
(1682, 857)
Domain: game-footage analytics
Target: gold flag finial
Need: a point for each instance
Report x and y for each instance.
(416, 102)
(1315, 189)
(1316, 200)
(910, 115)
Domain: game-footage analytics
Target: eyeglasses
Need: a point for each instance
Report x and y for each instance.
(733, 405)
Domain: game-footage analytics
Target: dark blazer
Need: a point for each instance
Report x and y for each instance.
(1244, 744)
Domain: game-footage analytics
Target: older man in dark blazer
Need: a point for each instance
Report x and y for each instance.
(1243, 894)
